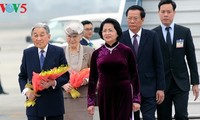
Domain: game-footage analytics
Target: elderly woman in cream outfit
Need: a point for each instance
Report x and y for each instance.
(78, 58)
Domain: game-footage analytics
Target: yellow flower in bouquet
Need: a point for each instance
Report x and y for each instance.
(52, 74)
(74, 93)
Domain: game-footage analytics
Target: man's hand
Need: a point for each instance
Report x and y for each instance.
(47, 83)
(195, 89)
(30, 95)
(160, 96)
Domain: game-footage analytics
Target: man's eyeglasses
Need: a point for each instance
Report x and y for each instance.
(88, 29)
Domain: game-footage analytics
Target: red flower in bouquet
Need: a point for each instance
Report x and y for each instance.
(77, 79)
(52, 74)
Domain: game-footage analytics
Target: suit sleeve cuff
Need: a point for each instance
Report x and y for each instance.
(54, 86)
(24, 91)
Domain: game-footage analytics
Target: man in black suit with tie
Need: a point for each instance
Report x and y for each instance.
(146, 47)
(87, 33)
(177, 46)
(50, 104)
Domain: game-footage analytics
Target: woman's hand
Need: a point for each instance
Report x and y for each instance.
(91, 110)
(67, 87)
(136, 107)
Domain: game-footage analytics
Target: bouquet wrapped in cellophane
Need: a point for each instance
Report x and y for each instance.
(76, 80)
(51, 74)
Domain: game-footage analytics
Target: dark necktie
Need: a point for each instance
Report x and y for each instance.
(135, 43)
(41, 58)
(168, 39)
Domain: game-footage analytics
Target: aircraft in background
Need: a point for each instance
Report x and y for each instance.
(56, 26)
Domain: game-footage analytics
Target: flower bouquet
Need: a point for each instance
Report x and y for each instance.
(51, 74)
(76, 80)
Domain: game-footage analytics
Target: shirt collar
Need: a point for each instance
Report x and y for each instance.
(138, 33)
(45, 49)
(171, 26)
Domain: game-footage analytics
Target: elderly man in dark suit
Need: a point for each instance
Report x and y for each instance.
(146, 47)
(50, 104)
(176, 45)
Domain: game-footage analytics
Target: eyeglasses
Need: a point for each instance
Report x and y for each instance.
(109, 31)
(88, 29)
(133, 19)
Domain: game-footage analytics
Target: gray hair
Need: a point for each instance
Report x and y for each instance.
(41, 25)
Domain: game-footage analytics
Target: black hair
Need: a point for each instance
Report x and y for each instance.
(86, 22)
(162, 2)
(137, 7)
(116, 25)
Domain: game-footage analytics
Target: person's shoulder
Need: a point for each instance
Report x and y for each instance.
(180, 27)
(124, 35)
(83, 41)
(30, 49)
(123, 47)
(88, 48)
(55, 48)
(125, 32)
(148, 32)
(99, 49)
(156, 28)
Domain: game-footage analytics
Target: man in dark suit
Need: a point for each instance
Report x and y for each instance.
(87, 33)
(146, 47)
(50, 104)
(176, 73)
(1, 89)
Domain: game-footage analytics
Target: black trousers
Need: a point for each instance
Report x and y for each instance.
(137, 115)
(148, 109)
(1, 88)
(59, 117)
(178, 98)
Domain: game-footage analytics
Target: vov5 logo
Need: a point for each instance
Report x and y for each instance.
(14, 7)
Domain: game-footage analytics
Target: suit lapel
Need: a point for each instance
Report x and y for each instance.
(128, 41)
(49, 54)
(85, 42)
(143, 39)
(162, 41)
(175, 36)
(35, 61)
